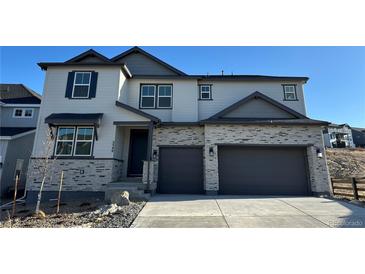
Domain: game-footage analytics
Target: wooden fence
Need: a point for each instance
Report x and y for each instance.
(351, 188)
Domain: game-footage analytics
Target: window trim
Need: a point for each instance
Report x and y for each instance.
(57, 141)
(295, 92)
(149, 96)
(73, 149)
(74, 84)
(163, 96)
(23, 113)
(85, 141)
(210, 92)
(156, 101)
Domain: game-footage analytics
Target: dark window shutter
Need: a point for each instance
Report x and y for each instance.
(70, 83)
(94, 80)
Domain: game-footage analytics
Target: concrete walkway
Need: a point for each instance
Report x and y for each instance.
(186, 211)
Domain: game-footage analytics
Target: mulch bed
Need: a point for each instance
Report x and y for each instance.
(92, 214)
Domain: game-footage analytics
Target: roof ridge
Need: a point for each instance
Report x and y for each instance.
(261, 96)
(149, 55)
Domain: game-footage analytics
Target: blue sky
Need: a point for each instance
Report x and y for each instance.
(335, 91)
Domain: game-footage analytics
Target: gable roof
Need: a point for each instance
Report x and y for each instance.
(178, 74)
(137, 111)
(89, 53)
(141, 51)
(18, 94)
(254, 95)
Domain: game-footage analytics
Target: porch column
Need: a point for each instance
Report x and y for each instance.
(149, 154)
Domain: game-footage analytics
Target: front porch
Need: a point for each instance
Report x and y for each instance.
(133, 146)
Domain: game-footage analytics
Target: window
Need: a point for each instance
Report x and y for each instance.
(18, 112)
(290, 93)
(84, 141)
(70, 144)
(28, 113)
(23, 113)
(65, 139)
(148, 94)
(156, 96)
(81, 85)
(205, 92)
(164, 96)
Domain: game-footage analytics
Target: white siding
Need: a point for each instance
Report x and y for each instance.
(133, 98)
(108, 86)
(225, 93)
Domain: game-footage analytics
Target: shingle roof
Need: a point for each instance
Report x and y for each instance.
(179, 74)
(18, 94)
(266, 121)
(11, 131)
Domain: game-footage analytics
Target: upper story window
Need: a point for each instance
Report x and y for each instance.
(23, 113)
(148, 95)
(290, 93)
(81, 86)
(156, 96)
(164, 98)
(205, 92)
(74, 141)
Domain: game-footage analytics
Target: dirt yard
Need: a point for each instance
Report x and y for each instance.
(344, 163)
(92, 214)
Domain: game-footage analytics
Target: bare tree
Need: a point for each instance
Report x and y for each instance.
(46, 165)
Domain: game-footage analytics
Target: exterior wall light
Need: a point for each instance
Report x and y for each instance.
(154, 154)
(211, 151)
(319, 153)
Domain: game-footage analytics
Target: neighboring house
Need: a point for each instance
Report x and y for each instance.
(136, 120)
(338, 136)
(358, 136)
(19, 108)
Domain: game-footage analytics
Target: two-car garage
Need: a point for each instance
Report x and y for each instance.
(243, 170)
(262, 170)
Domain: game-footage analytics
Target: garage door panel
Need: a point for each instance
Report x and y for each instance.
(180, 170)
(262, 171)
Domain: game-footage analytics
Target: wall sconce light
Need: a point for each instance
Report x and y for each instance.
(319, 152)
(154, 154)
(211, 151)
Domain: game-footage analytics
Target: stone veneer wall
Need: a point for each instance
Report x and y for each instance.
(254, 134)
(79, 174)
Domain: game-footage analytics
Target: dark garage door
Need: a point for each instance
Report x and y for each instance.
(180, 170)
(262, 171)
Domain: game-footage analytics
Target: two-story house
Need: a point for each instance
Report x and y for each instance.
(19, 108)
(135, 119)
(338, 136)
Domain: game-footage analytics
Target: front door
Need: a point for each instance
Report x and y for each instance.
(137, 151)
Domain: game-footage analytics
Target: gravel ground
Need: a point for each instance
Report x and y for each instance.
(344, 162)
(85, 214)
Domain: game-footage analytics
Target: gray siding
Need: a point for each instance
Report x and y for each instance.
(138, 64)
(226, 93)
(13, 153)
(7, 119)
(258, 108)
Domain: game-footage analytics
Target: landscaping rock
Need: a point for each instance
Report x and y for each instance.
(96, 214)
(107, 210)
(346, 162)
(121, 199)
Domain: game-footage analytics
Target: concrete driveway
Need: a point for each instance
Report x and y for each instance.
(241, 211)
